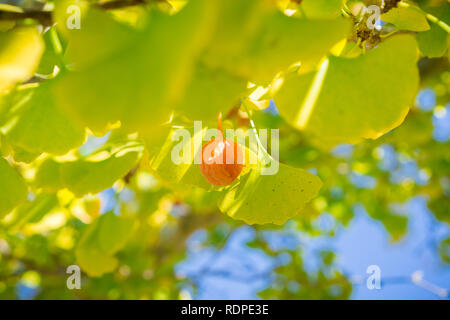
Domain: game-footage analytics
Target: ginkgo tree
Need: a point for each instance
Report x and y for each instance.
(133, 72)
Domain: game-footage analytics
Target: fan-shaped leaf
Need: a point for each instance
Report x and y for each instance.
(350, 99)
(13, 189)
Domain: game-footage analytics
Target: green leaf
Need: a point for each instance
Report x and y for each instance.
(100, 241)
(49, 58)
(150, 75)
(444, 250)
(84, 176)
(350, 99)
(99, 35)
(33, 211)
(39, 126)
(94, 262)
(20, 51)
(90, 257)
(185, 172)
(237, 23)
(321, 9)
(21, 155)
(288, 191)
(409, 18)
(48, 176)
(114, 232)
(433, 43)
(12, 186)
(281, 41)
(210, 91)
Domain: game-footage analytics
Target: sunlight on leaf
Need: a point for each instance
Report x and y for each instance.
(20, 53)
(288, 190)
(364, 97)
(12, 186)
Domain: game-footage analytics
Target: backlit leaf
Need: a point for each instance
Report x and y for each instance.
(350, 99)
(13, 189)
(408, 18)
(20, 51)
(281, 41)
(39, 126)
(148, 76)
(261, 199)
(83, 176)
(100, 241)
(321, 9)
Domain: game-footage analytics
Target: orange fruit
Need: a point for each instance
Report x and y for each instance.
(222, 159)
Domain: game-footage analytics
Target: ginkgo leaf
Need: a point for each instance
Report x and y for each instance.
(100, 241)
(210, 92)
(38, 126)
(433, 43)
(275, 43)
(408, 18)
(48, 176)
(286, 40)
(49, 58)
(94, 262)
(148, 76)
(261, 199)
(175, 161)
(20, 52)
(22, 155)
(90, 257)
(179, 156)
(13, 188)
(350, 99)
(99, 33)
(83, 176)
(321, 9)
(114, 232)
(33, 211)
(236, 25)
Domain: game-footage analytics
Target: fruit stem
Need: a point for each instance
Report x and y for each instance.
(219, 126)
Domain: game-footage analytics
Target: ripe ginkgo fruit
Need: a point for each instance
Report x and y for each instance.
(222, 159)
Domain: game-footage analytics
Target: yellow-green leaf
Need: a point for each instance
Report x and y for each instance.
(409, 18)
(48, 176)
(276, 43)
(39, 126)
(20, 52)
(175, 161)
(98, 37)
(100, 241)
(148, 76)
(288, 191)
(94, 262)
(321, 9)
(350, 99)
(433, 43)
(13, 189)
(83, 176)
(33, 211)
(114, 232)
(209, 92)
